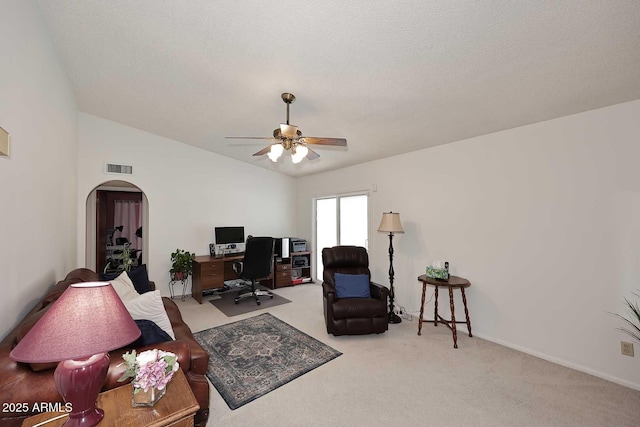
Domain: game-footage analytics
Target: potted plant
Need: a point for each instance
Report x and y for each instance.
(633, 321)
(182, 264)
(127, 261)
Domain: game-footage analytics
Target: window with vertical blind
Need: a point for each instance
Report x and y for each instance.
(340, 220)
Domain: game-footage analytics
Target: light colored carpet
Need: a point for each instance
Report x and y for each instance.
(400, 378)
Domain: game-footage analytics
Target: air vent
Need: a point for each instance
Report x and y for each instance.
(118, 169)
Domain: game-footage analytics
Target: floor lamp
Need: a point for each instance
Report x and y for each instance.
(391, 224)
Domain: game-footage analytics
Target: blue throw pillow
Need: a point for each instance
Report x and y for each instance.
(352, 285)
(151, 334)
(139, 277)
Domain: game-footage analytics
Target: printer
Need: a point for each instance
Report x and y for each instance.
(298, 245)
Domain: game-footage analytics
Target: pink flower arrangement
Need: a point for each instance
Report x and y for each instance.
(151, 368)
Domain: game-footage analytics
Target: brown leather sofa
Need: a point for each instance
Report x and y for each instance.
(22, 383)
(352, 316)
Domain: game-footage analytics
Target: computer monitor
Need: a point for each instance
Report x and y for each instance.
(229, 235)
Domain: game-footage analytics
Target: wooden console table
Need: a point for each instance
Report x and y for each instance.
(176, 408)
(454, 282)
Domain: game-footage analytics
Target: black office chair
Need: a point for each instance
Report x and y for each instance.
(257, 264)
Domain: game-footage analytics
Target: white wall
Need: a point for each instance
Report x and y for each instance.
(38, 180)
(190, 191)
(544, 220)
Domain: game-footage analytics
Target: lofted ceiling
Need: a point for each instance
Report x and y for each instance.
(390, 77)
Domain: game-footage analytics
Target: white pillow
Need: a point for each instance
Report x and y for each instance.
(148, 306)
(124, 287)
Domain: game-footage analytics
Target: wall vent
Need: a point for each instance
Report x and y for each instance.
(118, 169)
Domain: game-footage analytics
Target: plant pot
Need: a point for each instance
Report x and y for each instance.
(178, 275)
(139, 397)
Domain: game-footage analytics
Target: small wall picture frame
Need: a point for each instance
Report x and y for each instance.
(5, 142)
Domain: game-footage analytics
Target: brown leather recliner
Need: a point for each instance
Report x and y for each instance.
(352, 316)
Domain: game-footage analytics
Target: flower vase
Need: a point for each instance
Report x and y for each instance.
(139, 397)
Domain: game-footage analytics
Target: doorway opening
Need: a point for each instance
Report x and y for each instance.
(117, 227)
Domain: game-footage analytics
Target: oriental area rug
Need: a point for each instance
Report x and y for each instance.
(251, 357)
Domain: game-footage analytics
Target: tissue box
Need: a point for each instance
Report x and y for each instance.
(437, 273)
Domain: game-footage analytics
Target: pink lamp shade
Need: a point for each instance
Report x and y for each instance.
(86, 322)
(88, 318)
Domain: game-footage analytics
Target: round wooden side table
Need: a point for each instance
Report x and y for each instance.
(454, 282)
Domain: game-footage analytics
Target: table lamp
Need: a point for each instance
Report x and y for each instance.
(86, 322)
(391, 223)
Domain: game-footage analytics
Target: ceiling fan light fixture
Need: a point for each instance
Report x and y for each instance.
(296, 159)
(276, 152)
(300, 153)
(288, 137)
(288, 131)
(302, 150)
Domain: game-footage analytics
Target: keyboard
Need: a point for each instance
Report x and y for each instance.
(230, 254)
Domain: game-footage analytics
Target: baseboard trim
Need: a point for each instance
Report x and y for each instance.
(558, 361)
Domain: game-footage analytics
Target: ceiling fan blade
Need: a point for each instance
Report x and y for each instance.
(248, 137)
(341, 142)
(312, 155)
(264, 151)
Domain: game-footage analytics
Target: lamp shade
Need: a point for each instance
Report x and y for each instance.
(390, 223)
(88, 318)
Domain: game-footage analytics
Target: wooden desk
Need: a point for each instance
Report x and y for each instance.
(454, 282)
(176, 408)
(211, 272)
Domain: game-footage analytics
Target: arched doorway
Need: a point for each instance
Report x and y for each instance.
(117, 215)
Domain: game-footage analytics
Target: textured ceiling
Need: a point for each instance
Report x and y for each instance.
(391, 77)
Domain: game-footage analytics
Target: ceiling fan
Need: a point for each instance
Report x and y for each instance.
(289, 137)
